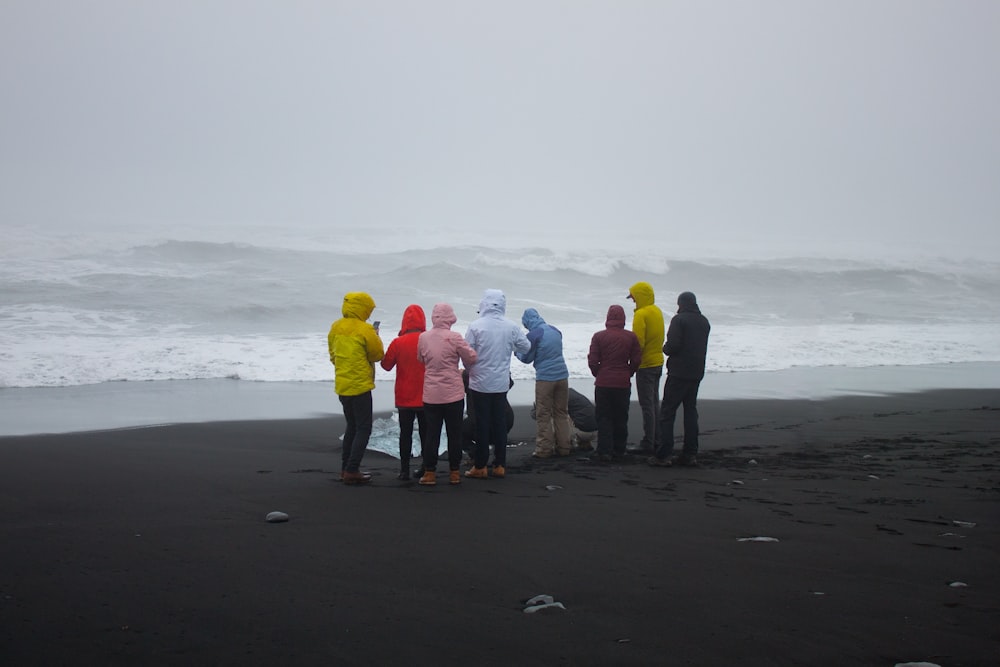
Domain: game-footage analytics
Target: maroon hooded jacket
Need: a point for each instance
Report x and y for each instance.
(615, 353)
(402, 354)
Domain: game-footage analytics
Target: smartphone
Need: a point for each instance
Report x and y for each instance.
(376, 323)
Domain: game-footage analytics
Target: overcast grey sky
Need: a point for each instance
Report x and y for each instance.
(784, 123)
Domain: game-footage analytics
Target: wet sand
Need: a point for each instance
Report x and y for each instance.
(150, 546)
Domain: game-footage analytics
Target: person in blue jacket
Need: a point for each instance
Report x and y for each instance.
(551, 385)
(494, 338)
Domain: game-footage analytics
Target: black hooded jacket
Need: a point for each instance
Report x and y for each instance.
(687, 342)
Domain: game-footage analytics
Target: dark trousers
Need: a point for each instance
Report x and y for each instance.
(491, 427)
(450, 415)
(647, 390)
(611, 407)
(406, 417)
(677, 392)
(358, 414)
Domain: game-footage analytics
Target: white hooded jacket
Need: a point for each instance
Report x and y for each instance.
(495, 339)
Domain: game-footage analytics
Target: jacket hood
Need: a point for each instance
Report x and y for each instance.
(616, 317)
(531, 319)
(642, 294)
(414, 319)
(494, 303)
(443, 316)
(687, 303)
(358, 305)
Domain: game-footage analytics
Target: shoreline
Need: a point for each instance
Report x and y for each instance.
(150, 546)
(25, 411)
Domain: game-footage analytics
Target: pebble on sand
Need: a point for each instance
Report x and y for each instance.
(757, 539)
(276, 517)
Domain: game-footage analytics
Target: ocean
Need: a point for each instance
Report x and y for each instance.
(253, 305)
(85, 309)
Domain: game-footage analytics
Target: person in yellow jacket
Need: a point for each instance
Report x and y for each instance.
(355, 346)
(647, 325)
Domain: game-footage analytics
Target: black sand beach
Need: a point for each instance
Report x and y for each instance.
(150, 546)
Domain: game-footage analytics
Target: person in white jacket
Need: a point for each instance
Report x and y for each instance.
(494, 338)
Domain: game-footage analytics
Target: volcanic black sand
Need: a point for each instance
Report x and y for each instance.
(150, 546)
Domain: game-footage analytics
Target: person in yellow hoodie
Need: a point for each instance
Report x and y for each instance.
(355, 346)
(647, 325)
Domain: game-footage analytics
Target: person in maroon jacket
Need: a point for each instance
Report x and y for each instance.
(402, 355)
(615, 355)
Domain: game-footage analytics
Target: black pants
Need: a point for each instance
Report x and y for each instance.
(406, 417)
(491, 427)
(358, 414)
(677, 392)
(449, 414)
(611, 406)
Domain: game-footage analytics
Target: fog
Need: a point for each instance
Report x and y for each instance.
(774, 127)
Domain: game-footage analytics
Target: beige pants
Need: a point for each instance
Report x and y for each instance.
(552, 417)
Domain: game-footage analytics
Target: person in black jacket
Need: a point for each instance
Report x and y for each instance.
(686, 347)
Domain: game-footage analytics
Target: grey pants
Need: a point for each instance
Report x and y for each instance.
(647, 387)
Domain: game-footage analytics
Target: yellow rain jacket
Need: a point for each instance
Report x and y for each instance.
(354, 346)
(647, 324)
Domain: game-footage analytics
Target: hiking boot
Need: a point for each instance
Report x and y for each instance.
(659, 463)
(454, 477)
(539, 454)
(477, 473)
(688, 461)
(404, 474)
(428, 478)
(355, 477)
(499, 471)
(600, 458)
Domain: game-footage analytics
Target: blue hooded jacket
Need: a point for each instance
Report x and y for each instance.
(546, 351)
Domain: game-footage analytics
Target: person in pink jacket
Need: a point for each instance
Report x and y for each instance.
(440, 349)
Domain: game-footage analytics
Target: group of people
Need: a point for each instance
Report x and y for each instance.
(430, 390)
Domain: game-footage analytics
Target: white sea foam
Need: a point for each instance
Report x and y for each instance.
(117, 305)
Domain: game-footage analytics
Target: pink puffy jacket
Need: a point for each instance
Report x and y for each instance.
(440, 350)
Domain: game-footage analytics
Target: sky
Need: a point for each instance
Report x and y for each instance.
(781, 126)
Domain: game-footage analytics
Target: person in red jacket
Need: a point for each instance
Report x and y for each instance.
(614, 357)
(402, 355)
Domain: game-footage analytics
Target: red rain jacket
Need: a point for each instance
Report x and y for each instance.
(402, 354)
